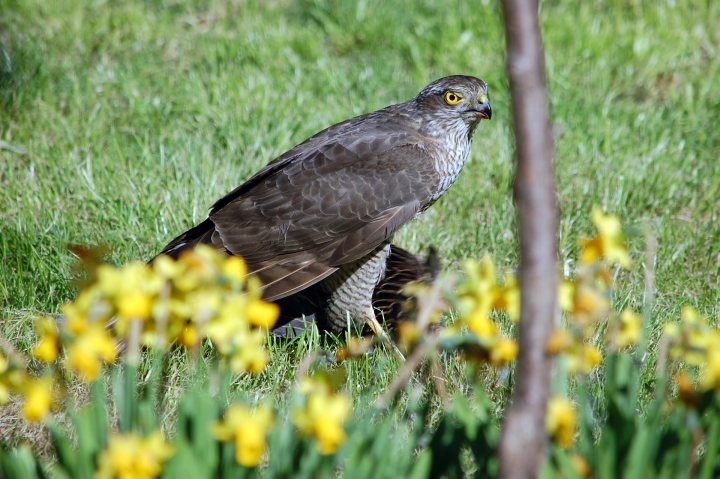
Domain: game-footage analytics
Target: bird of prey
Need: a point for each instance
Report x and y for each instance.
(320, 217)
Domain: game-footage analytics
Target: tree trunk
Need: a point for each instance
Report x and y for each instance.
(523, 440)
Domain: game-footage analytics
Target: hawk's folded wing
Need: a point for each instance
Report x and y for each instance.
(306, 214)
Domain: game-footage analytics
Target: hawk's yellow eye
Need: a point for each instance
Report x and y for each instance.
(452, 98)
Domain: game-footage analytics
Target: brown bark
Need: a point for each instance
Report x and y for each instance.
(523, 441)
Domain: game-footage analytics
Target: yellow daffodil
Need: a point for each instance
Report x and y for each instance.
(243, 346)
(129, 281)
(686, 391)
(672, 331)
(132, 291)
(75, 313)
(695, 342)
(235, 268)
(477, 290)
(207, 302)
(481, 276)
(87, 352)
(409, 335)
(589, 303)
(200, 267)
(262, 314)
(566, 295)
(323, 417)
(13, 378)
(355, 348)
(480, 294)
(592, 357)
(580, 465)
(482, 326)
(630, 328)
(710, 372)
(47, 349)
(251, 358)
(48, 345)
(179, 309)
(696, 347)
(248, 430)
(167, 268)
(135, 305)
(692, 340)
(561, 421)
(38, 398)
(110, 280)
(583, 359)
(203, 294)
(502, 352)
(608, 243)
(229, 322)
(690, 317)
(507, 298)
(4, 363)
(189, 336)
(560, 341)
(129, 456)
(309, 385)
(4, 387)
(328, 429)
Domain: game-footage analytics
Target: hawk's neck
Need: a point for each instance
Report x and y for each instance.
(453, 151)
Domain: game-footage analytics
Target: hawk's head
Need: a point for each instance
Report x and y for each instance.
(454, 98)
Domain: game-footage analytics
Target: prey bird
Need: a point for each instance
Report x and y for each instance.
(315, 224)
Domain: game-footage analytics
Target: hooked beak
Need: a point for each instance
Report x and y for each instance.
(485, 111)
(483, 107)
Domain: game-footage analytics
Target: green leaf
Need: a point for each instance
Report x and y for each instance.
(19, 463)
(423, 463)
(65, 452)
(565, 469)
(711, 460)
(125, 393)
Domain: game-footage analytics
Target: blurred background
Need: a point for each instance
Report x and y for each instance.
(122, 121)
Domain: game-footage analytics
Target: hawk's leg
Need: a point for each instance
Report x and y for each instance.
(378, 330)
(351, 290)
(351, 295)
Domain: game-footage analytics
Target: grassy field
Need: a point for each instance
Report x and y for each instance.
(121, 123)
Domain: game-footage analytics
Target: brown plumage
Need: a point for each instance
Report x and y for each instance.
(323, 213)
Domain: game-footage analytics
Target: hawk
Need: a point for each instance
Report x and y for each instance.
(315, 224)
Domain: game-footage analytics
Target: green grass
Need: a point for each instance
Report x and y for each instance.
(135, 116)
